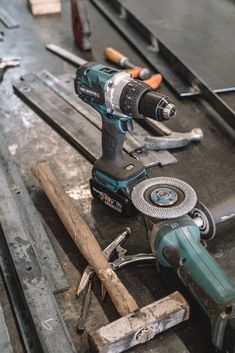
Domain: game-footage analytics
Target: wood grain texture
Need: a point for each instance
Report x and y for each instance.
(83, 238)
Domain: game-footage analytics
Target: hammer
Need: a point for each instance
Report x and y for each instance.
(137, 325)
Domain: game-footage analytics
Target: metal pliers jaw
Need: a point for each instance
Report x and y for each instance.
(108, 252)
(120, 262)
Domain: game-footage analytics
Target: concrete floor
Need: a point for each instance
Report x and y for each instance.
(209, 167)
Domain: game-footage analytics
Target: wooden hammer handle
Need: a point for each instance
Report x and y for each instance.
(83, 238)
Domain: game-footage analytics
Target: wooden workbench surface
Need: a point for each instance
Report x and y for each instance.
(209, 167)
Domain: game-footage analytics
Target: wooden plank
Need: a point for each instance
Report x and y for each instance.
(46, 255)
(51, 331)
(45, 8)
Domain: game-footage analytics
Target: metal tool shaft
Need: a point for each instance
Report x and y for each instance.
(85, 309)
(172, 139)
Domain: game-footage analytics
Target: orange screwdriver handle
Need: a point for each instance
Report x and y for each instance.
(115, 56)
(118, 58)
(154, 81)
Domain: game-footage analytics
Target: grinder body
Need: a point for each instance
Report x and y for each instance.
(178, 225)
(177, 244)
(118, 98)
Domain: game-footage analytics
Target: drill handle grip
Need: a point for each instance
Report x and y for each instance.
(112, 142)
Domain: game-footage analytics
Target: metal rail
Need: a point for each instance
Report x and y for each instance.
(37, 229)
(141, 39)
(47, 321)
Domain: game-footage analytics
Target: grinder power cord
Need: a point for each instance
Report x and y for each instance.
(119, 99)
(177, 225)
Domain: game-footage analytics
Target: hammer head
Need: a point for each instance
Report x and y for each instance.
(141, 325)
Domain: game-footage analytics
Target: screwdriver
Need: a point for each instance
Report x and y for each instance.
(118, 58)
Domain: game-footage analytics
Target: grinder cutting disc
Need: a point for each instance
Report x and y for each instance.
(164, 198)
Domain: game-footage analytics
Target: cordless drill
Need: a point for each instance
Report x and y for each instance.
(178, 226)
(119, 99)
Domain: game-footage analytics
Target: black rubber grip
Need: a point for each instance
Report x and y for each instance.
(112, 142)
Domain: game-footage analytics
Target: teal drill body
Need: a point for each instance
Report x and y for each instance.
(177, 244)
(96, 77)
(118, 99)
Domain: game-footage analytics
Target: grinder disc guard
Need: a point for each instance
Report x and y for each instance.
(164, 198)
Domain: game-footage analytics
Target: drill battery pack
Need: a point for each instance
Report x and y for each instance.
(119, 199)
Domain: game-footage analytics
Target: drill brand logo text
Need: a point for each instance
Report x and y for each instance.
(107, 200)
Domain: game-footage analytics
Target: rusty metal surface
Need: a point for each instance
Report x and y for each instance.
(209, 168)
(5, 344)
(36, 228)
(46, 319)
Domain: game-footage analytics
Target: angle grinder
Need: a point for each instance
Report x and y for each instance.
(177, 224)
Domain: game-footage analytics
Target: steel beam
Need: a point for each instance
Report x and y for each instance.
(5, 344)
(46, 255)
(50, 328)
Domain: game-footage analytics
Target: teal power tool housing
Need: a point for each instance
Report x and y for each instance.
(118, 98)
(178, 226)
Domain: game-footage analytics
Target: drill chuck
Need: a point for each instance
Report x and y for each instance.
(156, 106)
(138, 100)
